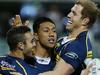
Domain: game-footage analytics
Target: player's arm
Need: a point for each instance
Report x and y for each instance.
(15, 73)
(61, 68)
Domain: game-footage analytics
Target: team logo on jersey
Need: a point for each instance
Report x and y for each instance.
(71, 55)
(6, 66)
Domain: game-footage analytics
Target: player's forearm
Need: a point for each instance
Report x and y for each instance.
(49, 73)
(57, 72)
(61, 68)
(52, 73)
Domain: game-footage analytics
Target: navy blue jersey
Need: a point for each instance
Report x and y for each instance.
(75, 52)
(41, 64)
(12, 64)
(44, 67)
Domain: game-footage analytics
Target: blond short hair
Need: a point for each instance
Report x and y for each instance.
(90, 10)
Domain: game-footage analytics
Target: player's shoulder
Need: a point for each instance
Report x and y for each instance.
(2, 57)
(58, 43)
(60, 39)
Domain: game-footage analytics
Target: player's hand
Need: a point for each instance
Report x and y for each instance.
(87, 70)
(16, 21)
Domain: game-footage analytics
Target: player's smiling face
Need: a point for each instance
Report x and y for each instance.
(74, 17)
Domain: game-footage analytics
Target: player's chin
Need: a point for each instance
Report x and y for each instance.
(51, 45)
(68, 26)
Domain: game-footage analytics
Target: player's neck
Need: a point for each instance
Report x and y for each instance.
(40, 51)
(76, 32)
(17, 53)
(72, 35)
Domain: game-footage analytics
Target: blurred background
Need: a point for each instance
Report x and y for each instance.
(57, 10)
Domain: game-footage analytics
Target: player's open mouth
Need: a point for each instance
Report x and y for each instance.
(69, 22)
(51, 41)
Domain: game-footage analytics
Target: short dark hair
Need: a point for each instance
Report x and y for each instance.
(15, 35)
(90, 10)
(40, 20)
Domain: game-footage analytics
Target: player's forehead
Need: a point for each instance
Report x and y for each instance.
(77, 8)
(47, 25)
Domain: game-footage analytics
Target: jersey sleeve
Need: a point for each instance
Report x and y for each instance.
(5, 67)
(74, 55)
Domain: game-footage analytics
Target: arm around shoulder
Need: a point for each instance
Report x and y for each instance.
(61, 68)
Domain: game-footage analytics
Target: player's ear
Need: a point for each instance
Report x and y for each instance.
(36, 36)
(20, 45)
(85, 21)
